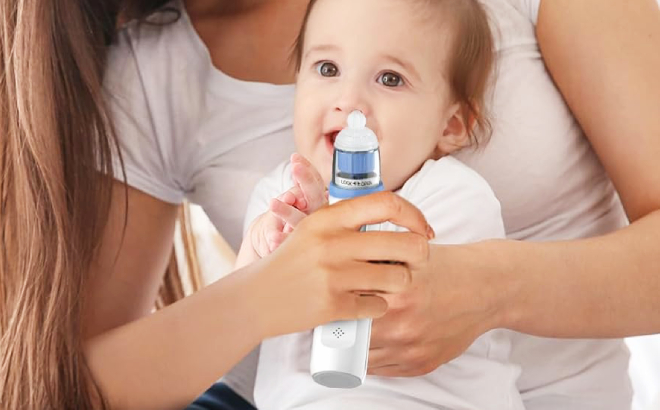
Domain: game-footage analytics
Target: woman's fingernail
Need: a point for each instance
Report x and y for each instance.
(430, 233)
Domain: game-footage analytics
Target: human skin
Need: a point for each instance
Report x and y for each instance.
(602, 56)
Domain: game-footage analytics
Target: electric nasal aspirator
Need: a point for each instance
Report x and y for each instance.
(340, 349)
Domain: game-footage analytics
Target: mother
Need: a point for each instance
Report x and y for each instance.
(201, 105)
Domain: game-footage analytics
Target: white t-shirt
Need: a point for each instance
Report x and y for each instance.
(187, 130)
(461, 208)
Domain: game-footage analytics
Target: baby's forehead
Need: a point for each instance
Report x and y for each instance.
(389, 16)
(415, 30)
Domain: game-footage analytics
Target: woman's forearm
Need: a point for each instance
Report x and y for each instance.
(164, 360)
(605, 286)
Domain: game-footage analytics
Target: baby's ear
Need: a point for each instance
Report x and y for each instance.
(456, 134)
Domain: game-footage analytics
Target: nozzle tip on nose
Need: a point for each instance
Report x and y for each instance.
(356, 119)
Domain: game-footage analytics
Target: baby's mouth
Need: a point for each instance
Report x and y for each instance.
(330, 139)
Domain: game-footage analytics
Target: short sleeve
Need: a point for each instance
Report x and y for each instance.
(457, 202)
(467, 215)
(144, 151)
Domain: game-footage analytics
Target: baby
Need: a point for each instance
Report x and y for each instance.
(418, 70)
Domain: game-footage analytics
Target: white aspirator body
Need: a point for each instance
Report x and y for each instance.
(340, 350)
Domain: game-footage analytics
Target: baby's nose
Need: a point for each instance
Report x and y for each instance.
(351, 99)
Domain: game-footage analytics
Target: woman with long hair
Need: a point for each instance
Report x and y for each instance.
(69, 334)
(196, 105)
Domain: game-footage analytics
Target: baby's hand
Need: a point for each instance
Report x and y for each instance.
(308, 194)
(266, 233)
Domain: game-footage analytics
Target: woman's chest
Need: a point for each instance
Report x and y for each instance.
(235, 149)
(252, 44)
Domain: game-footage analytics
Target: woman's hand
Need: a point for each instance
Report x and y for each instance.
(603, 57)
(323, 272)
(450, 303)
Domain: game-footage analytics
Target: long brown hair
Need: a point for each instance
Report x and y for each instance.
(55, 165)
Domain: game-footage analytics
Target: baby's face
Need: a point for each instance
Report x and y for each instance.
(386, 59)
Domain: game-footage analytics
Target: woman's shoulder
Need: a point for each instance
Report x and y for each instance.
(153, 103)
(160, 47)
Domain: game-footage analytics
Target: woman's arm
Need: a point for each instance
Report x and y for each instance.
(143, 361)
(163, 360)
(129, 269)
(605, 59)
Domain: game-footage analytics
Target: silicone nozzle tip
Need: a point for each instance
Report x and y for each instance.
(356, 120)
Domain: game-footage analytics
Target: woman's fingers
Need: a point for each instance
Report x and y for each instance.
(380, 358)
(415, 359)
(370, 278)
(324, 269)
(404, 361)
(366, 306)
(404, 247)
(376, 208)
(392, 370)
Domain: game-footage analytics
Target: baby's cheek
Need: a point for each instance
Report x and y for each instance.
(305, 147)
(323, 164)
(393, 174)
(326, 174)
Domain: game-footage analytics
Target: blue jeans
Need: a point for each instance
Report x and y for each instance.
(220, 397)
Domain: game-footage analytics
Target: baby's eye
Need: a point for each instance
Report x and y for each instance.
(390, 79)
(327, 69)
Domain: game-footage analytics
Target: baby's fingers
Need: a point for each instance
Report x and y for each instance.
(259, 230)
(294, 197)
(309, 181)
(275, 239)
(287, 213)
